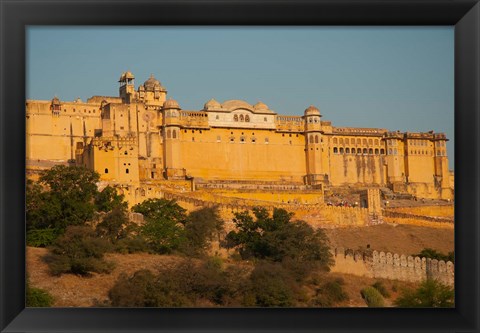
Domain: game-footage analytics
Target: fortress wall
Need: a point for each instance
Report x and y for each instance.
(393, 214)
(351, 169)
(211, 155)
(393, 266)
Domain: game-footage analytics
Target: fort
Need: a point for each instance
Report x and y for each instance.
(148, 146)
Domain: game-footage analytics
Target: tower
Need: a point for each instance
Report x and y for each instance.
(313, 147)
(127, 87)
(171, 140)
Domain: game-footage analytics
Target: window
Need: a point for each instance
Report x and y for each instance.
(390, 151)
(106, 170)
(335, 150)
(382, 151)
(169, 134)
(376, 151)
(359, 141)
(125, 153)
(376, 141)
(219, 138)
(266, 141)
(310, 139)
(242, 139)
(353, 150)
(365, 142)
(370, 141)
(370, 151)
(335, 140)
(127, 171)
(341, 141)
(232, 139)
(347, 151)
(235, 118)
(341, 150)
(247, 118)
(364, 151)
(217, 117)
(316, 138)
(264, 118)
(241, 117)
(174, 134)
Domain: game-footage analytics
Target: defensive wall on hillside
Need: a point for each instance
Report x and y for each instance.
(323, 214)
(393, 266)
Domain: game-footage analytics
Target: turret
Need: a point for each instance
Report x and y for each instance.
(313, 147)
(127, 87)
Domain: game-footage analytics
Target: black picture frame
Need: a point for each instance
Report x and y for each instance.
(16, 15)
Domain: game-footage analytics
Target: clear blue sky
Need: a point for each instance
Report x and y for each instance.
(399, 78)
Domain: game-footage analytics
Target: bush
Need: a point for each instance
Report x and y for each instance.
(270, 286)
(78, 251)
(330, 293)
(430, 293)
(381, 288)
(372, 297)
(41, 237)
(186, 284)
(131, 245)
(37, 298)
(115, 225)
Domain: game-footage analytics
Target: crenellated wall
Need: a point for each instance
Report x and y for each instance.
(393, 266)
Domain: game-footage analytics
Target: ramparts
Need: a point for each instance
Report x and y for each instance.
(393, 266)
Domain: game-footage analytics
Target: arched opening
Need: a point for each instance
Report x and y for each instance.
(235, 118)
(353, 150)
(241, 117)
(364, 151)
(347, 141)
(247, 118)
(341, 150)
(335, 150)
(174, 134)
(310, 139)
(382, 151)
(106, 170)
(316, 138)
(347, 150)
(334, 140)
(169, 134)
(370, 151)
(376, 151)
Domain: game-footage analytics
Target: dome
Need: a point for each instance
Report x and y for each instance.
(151, 83)
(126, 76)
(260, 106)
(212, 105)
(171, 104)
(312, 111)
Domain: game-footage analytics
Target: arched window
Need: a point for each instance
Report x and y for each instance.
(347, 150)
(370, 151)
(335, 150)
(359, 141)
(382, 151)
(376, 151)
(106, 170)
(247, 118)
(235, 118)
(266, 140)
(334, 140)
(341, 150)
(376, 141)
(169, 134)
(364, 151)
(310, 139)
(241, 117)
(174, 134)
(370, 141)
(365, 142)
(347, 141)
(316, 138)
(341, 141)
(353, 150)
(389, 151)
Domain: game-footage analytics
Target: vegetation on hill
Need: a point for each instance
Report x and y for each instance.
(430, 293)
(434, 254)
(36, 297)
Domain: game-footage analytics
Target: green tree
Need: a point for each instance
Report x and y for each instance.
(108, 199)
(63, 197)
(372, 297)
(164, 224)
(202, 226)
(431, 293)
(294, 243)
(115, 225)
